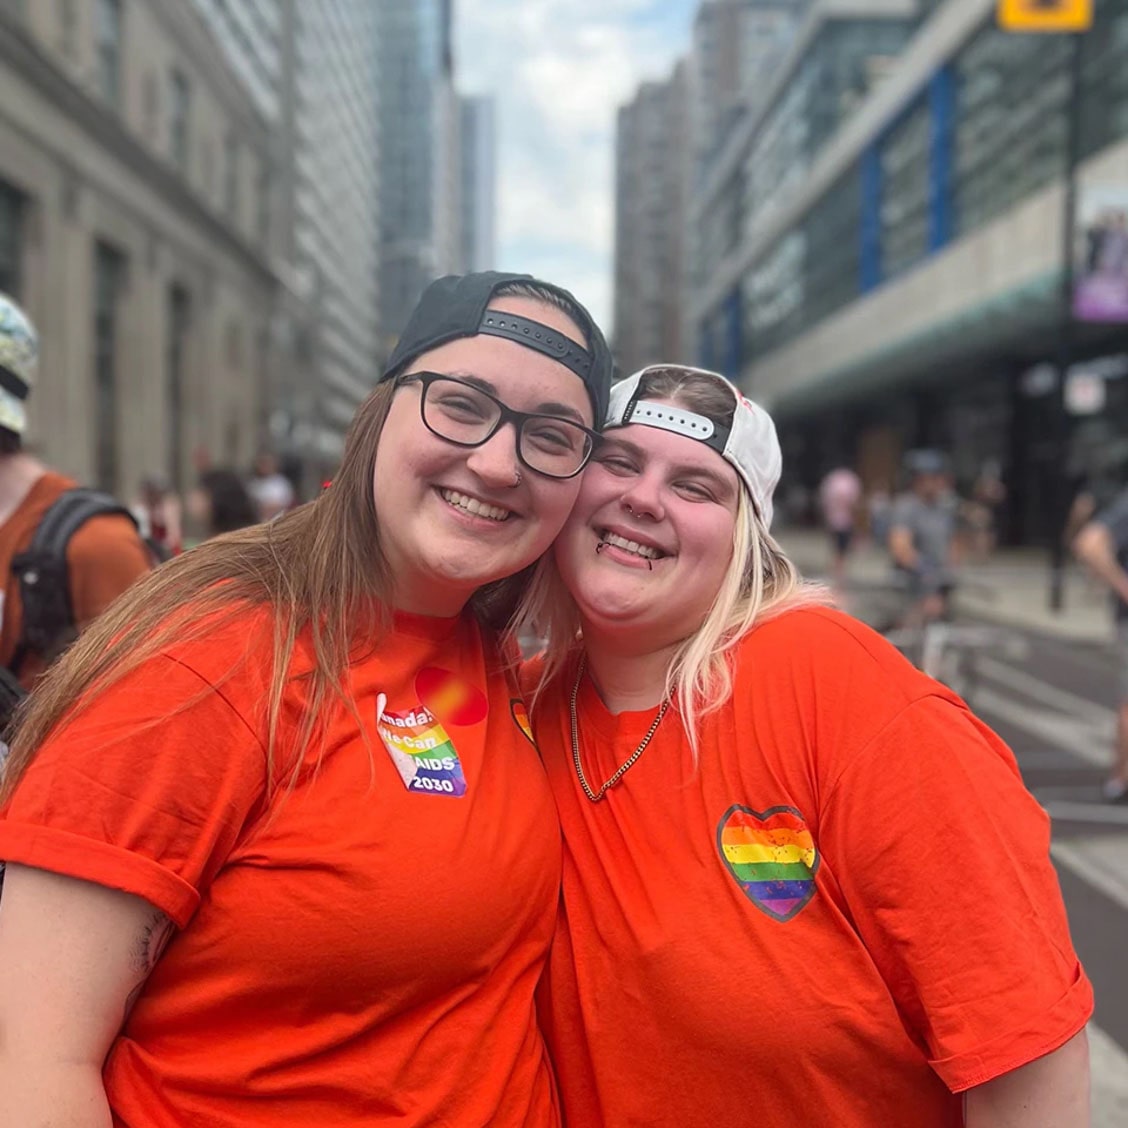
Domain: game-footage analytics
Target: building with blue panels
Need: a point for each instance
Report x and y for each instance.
(880, 246)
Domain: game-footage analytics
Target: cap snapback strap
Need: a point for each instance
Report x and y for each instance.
(679, 421)
(534, 335)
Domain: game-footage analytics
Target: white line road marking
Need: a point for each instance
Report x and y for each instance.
(1100, 860)
(1103, 814)
(1083, 739)
(1044, 692)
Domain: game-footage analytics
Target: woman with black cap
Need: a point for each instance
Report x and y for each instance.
(280, 850)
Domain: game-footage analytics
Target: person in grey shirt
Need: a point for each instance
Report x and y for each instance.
(922, 536)
(1102, 544)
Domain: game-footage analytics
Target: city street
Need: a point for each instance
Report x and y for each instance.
(1050, 699)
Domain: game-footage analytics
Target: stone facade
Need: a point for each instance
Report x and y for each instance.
(165, 176)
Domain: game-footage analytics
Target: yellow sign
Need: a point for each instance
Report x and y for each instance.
(1045, 15)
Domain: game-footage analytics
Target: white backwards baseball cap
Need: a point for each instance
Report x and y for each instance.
(750, 444)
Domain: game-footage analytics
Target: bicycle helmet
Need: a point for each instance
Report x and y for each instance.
(926, 461)
(19, 356)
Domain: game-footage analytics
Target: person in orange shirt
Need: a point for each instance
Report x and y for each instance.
(803, 884)
(103, 557)
(280, 849)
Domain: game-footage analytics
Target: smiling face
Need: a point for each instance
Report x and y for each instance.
(648, 544)
(455, 518)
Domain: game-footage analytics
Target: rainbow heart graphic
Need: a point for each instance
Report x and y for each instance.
(521, 718)
(772, 856)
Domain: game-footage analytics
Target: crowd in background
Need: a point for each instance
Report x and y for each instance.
(223, 499)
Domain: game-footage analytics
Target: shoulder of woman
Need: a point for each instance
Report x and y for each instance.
(217, 644)
(830, 648)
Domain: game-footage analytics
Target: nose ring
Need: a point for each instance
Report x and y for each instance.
(627, 506)
(517, 479)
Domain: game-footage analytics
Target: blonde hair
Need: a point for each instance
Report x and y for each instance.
(759, 583)
(320, 569)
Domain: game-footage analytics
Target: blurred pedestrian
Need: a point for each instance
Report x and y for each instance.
(923, 541)
(803, 885)
(52, 586)
(272, 491)
(839, 497)
(280, 848)
(157, 513)
(988, 494)
(879, 506)
(1102, 544)
(221, 503)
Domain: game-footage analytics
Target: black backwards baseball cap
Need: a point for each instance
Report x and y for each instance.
(457, 306)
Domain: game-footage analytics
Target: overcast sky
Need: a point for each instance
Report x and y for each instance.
(559, 70)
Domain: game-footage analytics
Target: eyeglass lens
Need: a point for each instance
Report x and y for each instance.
(464, 415)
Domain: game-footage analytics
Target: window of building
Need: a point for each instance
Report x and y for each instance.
(1010, 123)
(109, 274)
(179, 323)
(108, 33)
(150, 107)
(231, 176)
(68, 29)
(1104, 55)
(180, 98)
(832, 269)
(263, 204)
(905, 183)
(207, 167)
(11, 240)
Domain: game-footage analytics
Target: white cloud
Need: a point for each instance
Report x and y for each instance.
(559, 70)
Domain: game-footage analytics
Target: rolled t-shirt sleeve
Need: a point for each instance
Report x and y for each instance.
(943, 859)
(146, 790)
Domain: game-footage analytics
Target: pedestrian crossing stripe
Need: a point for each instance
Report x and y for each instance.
(1045, 15)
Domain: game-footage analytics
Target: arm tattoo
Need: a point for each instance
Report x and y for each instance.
(150, 943)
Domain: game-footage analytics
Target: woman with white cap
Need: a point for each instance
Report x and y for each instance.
(803, 885)
(280, 850)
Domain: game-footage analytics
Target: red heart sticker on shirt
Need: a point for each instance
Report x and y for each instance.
(772, 856)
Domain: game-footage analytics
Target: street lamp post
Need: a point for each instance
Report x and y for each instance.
(1072, 18)
(1061, 498)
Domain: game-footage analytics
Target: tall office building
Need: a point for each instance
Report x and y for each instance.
(737, 44)
(478, 147)
(419, 185)
(311, 66)
(651, 200)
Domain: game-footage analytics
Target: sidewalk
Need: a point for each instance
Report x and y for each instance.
(1012, 588)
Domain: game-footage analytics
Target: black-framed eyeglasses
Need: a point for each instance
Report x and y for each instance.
(463, 414)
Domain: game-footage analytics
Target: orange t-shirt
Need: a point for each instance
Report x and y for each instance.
(104, 557)
(844, 916)
(363, 950)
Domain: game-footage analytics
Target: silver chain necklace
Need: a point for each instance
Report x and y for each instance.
(627, 764)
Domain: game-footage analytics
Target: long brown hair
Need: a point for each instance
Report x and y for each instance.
(320, 569)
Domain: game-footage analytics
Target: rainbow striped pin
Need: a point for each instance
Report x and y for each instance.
(772, 856)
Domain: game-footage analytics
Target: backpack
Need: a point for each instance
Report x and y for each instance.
(48, 617)
(44, 579)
